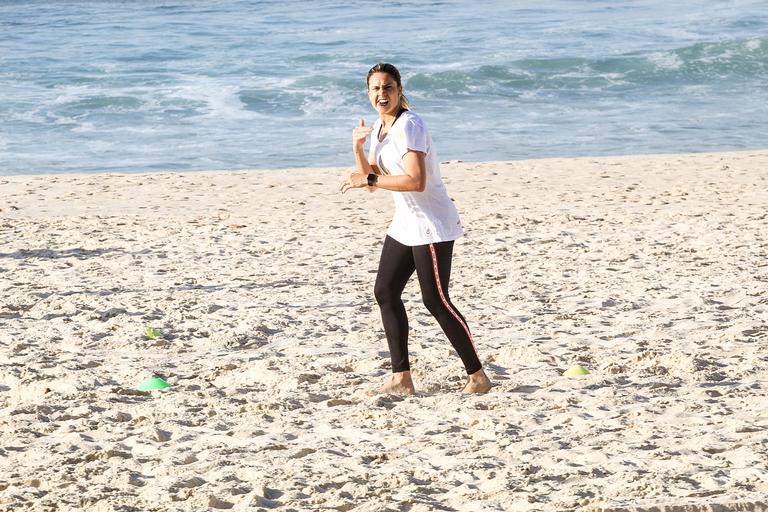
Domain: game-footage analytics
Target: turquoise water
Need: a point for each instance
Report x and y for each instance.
(142, 86)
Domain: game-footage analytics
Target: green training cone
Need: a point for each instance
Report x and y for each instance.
(153, 383)
(575, 370)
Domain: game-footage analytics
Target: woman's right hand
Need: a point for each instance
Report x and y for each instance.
(360, 133)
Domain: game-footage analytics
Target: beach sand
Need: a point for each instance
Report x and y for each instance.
(650, 271)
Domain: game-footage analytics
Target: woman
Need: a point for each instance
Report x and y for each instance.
(402, 159)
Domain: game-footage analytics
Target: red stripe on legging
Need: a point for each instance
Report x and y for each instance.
(445, 301)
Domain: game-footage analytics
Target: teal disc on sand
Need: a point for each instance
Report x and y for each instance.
(575, 370)
(153, 383)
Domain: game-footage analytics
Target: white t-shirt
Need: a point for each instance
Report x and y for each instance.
(420, 217)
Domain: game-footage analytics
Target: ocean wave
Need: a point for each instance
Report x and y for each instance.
(103, 103)
(698, 63)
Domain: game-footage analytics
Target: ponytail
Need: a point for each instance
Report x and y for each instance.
(404, 103)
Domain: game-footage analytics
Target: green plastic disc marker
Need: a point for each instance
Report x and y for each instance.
(152, 333)
(153, 383)
(573, 371)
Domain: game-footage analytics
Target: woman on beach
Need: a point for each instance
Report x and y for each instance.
(420, 238)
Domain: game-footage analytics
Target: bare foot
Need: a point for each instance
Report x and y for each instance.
(399, 383)
(478, 382)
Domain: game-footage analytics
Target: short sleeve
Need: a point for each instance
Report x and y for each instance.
(414, 137)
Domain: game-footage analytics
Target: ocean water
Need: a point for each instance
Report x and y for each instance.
(93, 86)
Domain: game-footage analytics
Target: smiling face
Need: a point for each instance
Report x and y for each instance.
(384, 93)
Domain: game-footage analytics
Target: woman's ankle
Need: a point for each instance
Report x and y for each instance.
(404, 376)
(479, 375)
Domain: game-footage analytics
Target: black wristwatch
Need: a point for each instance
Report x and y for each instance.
(372, 179)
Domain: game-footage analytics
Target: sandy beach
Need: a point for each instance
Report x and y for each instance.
(649, 271)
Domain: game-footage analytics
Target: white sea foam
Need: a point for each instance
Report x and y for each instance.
(316, 104)
(84, 127)
(614, 78)
(666, 60)
(223, 100)
(71, 93)
(696, 89)
(753, 44)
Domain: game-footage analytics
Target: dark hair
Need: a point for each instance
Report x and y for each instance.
(383, 67)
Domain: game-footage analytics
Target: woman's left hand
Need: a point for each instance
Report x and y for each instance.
(354, 180)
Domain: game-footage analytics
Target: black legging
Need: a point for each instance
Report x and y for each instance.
(432, 264)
